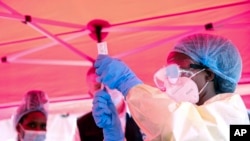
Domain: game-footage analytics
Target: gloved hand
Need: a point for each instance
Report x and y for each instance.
(106, 117)
(115, 74)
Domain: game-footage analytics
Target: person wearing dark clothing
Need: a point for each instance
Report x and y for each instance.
(87, 128)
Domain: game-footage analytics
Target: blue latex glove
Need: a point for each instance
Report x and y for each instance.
(106, 117)
(115, 74)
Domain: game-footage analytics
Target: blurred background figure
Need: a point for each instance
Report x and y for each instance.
(30, 119)
(87, 128)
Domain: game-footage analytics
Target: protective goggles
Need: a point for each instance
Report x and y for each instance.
(171, 74)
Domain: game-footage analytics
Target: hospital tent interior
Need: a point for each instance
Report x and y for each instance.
(49, 45)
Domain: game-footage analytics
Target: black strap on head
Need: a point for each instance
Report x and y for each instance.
(198, 66)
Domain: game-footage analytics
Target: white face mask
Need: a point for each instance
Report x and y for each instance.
(178, 88)
(30, 135)
(184, 90)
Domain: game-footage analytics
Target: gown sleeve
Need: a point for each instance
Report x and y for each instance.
(162, 119)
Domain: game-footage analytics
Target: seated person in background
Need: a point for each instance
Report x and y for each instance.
(30, 119)
(198, 102)
(87, 127)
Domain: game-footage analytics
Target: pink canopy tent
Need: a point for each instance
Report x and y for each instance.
(46, 44)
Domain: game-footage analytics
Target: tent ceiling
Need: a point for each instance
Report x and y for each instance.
(52, 52)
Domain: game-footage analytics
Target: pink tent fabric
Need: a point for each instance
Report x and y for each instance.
(46, 44)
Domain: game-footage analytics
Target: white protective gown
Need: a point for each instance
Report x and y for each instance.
(162, 119)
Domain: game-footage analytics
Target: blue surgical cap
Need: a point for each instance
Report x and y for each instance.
(34, 100)
(218, 54)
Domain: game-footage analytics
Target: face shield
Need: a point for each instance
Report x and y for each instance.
(171, 74)
(177, 83)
